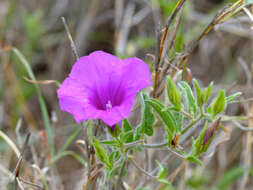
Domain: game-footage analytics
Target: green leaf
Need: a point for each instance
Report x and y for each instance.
(198, 93)
(173, 93)
(127, 134)
(206, 93)
(166, 116)
(219, 104)
(190, 100)
(138, 133)
(114, 156)
(233, 97)
(126, 126)
(165, 181)
(229, 178)
(102, 154)
(116, 131)
(162, 171)
(194, 159)
(198, 143)
(127, 137)
(110, 143)
(110, 172)
(179, 118)
(148, 118)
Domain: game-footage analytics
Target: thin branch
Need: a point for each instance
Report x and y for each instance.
(246, 70)
(238, 125)
(184, 176)
(121, 173)
(72, 44)
(18, 166)
(247, 155)
(141, 169)
(176, 154)
(30, 183)
(191, 124)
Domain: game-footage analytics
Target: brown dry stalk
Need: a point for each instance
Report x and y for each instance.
(248, 152)
(178, 7)
(72, 44)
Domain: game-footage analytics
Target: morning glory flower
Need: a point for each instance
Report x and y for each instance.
(102, 86)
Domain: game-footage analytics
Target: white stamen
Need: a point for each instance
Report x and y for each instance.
(108, 105)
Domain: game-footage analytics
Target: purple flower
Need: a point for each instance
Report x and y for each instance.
(102, 86)
(211, 130)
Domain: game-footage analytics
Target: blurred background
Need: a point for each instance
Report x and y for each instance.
(125, 28)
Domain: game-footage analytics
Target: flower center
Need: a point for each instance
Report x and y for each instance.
(106, 100)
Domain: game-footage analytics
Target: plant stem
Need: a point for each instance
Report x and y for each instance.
(192, 123)
(141, 169)
(161, 145)
(187, 114)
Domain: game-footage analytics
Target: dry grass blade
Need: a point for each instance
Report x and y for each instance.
(43, 82)
(72, 44)
(218, 18)
(10, 142)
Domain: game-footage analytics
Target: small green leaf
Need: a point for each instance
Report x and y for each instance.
(198, 143)
(110, 172)
(165, 181)
(179, 118)
(138, 133)
(116, 131)
(101, 154)
(127, 137)
(110, 143)
(190, 100)
(114, 156)
(166, 116)
(127, 134)
(148, 118)
(162, 171)
(233, 97)
(194, 159)
(219, 104)
(206, 93)
(173, 93)
(198, 93)
(126, 126)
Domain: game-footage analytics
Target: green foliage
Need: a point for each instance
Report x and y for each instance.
(116, 131)
(202, 95)
(219, 104)
(173, 93)
(198, 93)
(194, 159)
(198, 180)
(166, 116)
(148, 118)
(147, 121)
(101, 154)
(229, 178)
(189, 98)
(161, 176)
(232, 97)
(110, 143)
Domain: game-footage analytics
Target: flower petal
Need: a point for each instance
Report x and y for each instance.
(136, 74)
